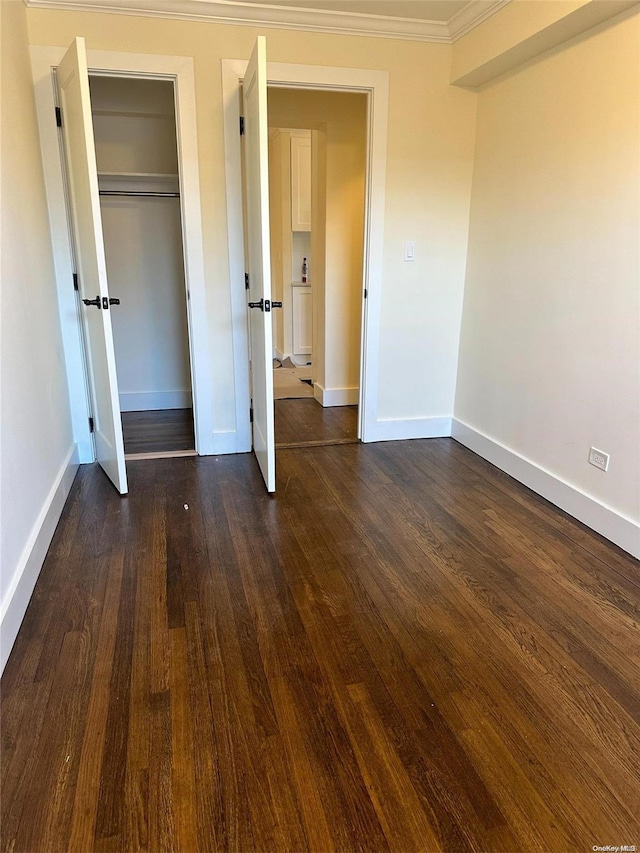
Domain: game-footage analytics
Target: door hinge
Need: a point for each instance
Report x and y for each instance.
(246, 281)
(75, 281)
(241, 125)
(90, 424)
(366, 292)
(58, 117)
(251, 415)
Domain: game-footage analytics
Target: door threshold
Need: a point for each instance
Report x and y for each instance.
(321, 442)
(159, 454)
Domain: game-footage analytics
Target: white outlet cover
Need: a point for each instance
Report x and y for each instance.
(599, 458)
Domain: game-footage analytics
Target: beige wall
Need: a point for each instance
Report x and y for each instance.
(342, 119)
(550, 358)
(430, 149)
(36, 430)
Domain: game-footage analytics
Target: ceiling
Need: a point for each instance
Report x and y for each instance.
(423, 10)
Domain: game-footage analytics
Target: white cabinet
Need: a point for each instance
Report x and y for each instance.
(290, 205)
(302, 319)
(301, 181)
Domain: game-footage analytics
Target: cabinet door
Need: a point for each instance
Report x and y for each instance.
(302, 320)
(301, 182)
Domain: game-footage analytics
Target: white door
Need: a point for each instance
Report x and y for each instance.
(257, 199)
(77, 129)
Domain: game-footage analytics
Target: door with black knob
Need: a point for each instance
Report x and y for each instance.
(256, 135)
(77, 132)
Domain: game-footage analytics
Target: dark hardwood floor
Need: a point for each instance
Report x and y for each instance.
(300, 423)
(402, 650)
(156, 431)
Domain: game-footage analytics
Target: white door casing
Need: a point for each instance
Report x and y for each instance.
(82, 173)
(256, 131)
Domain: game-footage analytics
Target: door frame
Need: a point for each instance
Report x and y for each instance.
(179, 70)
(375, 84)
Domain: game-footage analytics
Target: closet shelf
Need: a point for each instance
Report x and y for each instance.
(139, 181)
(165, 116)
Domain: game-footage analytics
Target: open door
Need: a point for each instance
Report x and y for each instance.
(257, 200)
(82, 173)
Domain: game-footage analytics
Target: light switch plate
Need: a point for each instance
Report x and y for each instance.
(409, 251)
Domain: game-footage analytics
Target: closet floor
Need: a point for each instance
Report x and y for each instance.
(166, 430)
(300, 423)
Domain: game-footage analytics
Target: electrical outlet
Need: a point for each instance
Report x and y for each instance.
(599, 458)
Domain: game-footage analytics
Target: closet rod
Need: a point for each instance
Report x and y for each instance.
(140, 193)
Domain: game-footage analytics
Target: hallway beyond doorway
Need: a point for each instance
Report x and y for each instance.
(305, 423)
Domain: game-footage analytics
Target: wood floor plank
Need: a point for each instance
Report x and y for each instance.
(403, 649)
(184, 741)
(85, 804)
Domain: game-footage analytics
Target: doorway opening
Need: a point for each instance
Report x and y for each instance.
(135, 138)
(317, 187)
(246, 81)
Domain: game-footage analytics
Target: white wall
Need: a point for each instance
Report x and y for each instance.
(36, 444)
(549, 355)
(143, 247)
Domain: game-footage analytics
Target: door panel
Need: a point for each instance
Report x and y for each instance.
(258, 245)
(77, 129)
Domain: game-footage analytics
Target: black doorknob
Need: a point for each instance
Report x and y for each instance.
(259, 305)
(113, 301)
(276, 304)
(95, 302)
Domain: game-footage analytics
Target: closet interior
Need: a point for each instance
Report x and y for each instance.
(136, 151)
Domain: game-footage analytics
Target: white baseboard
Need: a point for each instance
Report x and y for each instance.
(14, 604)
(399, 429)
(328, 397)
(300, 360)
(618, 528)
(147, 401)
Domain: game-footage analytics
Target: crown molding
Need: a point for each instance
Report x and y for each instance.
(290, 18)
(471, 15)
